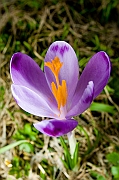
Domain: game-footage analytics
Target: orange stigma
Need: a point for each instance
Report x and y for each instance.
(59, 91)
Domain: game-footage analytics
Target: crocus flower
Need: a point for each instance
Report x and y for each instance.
(57, 93)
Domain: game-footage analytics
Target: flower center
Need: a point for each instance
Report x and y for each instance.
(59, 90)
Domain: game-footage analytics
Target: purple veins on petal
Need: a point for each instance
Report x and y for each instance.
(56, 128)
(55, 48)
(60, 49)
(63, 49)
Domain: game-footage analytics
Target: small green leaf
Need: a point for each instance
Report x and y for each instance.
(2, 92)
(27, 129)
(27, 147)
(97, 176)
(113, 158)
(101, 178)
(83, 61)
(115, 171)
(109, 89)
(27, 45)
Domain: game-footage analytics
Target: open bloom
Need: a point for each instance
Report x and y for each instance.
(57, 93)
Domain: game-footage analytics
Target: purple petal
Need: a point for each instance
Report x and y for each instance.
(84, 101)
(56, 128)
(26, 72)
(32, 102)
(98, 71)
(70, 69)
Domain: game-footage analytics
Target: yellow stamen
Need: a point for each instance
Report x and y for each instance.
(59, 91)
(55, 66)
(64, 92)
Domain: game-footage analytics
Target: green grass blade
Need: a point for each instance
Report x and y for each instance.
(66, 153)
(80, 128)
(76, 155)
(102, 107)
(10, 146)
